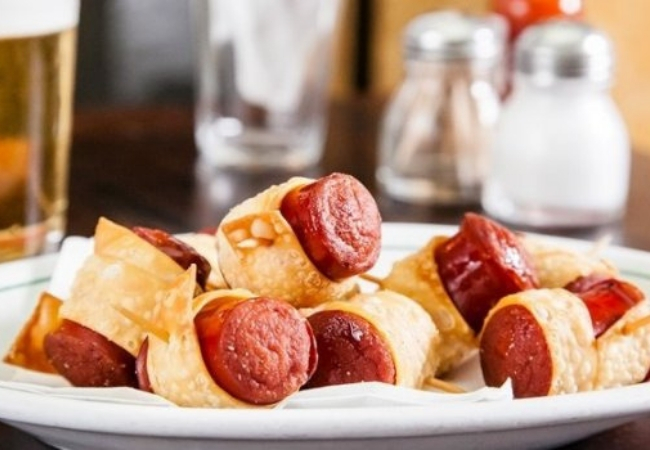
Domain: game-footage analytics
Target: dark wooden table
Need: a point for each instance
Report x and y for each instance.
(139, 167)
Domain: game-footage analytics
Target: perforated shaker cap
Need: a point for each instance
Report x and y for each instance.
(452, 35)
(564, 49)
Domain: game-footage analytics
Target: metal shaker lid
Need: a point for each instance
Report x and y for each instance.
(451, 35)
(564, 48)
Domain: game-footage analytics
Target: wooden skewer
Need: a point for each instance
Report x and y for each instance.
(443, 385)
(152, 328)
(599, 246)
(373, 279)
(632, 327)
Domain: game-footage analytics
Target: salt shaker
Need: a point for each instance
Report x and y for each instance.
(561, 153)
(438, 125)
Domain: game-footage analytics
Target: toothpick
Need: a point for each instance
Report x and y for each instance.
(443, 385)
(599, 246)
(148, 326)
(373, 279)
(632, 327)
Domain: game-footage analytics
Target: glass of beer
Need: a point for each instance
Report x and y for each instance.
(37, 62)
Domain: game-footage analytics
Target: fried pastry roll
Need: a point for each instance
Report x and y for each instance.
(225, 349)
(624, 349)
(97, 340)
(543, 340)
(383, 336)
(558, 266)
(303, 240)
(460, 278)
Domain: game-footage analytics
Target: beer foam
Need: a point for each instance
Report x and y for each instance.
(20, 18)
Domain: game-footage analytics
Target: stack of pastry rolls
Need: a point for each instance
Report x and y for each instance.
(270, 304)
(283, 313)
(124, 278)
(306, 241)
(459, 278)
(143, 313)
(551, 320)
(592, 334)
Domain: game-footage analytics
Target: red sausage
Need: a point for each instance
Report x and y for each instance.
(350, 350)
(337, 223)
(606, 299)
(179, 251)
(513, 345)
(481, 264)
(88, 359)
(259, 350)
(141, 373)
(584, 283)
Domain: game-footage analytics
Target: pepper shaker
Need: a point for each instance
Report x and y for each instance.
(561, 153)
(438, 125)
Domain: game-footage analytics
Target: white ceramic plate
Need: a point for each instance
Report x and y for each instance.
(527, 423)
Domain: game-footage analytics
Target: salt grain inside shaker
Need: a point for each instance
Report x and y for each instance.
(561, 151)
(437, 127)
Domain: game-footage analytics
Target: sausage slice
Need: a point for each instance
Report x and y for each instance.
(481, 264)
(337, 223)
(542, 339)
(606, 299)
(350, 350)
(259, 350)
(88, 359)
(179, 251)
(513, 345)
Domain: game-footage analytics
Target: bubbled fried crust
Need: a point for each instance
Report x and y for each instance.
(27, 349)
(566, 325)
(124, 273)
(258, 250)
(405, 326)
(557, 266)
(624, 350)
(175, 363)
(206, 245)
(416, 277)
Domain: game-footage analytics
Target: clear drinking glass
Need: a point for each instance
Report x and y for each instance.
(37, 61)
(263, 67)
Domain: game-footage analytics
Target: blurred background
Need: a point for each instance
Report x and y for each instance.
(140, 53)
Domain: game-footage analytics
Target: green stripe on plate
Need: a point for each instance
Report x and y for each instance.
(34, 282)
(632, 273)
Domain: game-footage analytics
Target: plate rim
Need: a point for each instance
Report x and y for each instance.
(331, 423)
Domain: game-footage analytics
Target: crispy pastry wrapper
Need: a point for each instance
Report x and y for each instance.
(416, 277)
(27, 349)
(124, 274)
(175, 363)
(624, 349)
(557, 266)
(259, 251)
(566, 324)
(206, 246)
(360, 395)
(405, 326)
